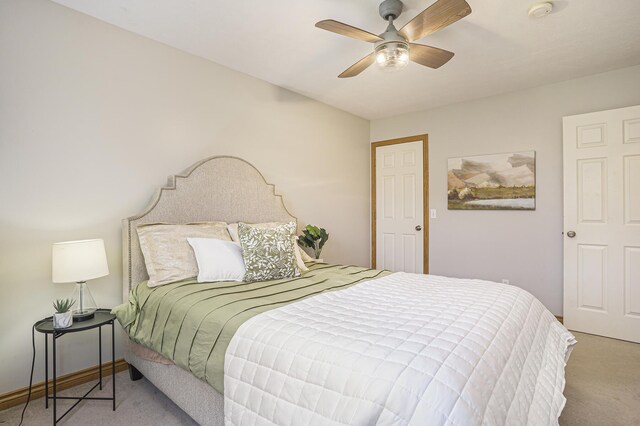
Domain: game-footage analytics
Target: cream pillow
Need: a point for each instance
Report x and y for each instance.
(300, 254)
(218, 260)
(167, 253)
(304, 257)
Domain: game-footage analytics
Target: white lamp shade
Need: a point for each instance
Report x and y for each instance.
(76, 261)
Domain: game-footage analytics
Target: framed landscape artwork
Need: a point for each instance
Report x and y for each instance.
(492, 182)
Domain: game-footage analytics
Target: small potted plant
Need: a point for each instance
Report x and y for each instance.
(63, 318)
(313, 237)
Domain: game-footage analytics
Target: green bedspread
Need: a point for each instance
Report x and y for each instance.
(192, 324)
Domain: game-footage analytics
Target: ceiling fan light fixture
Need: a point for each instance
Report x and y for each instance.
(392, 56)
(394, 49)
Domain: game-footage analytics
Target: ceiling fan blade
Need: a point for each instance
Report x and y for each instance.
(440, 14)
(359, 66)
(347, 30)
(428, 56)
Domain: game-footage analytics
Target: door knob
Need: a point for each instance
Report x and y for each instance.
(571, 234)
(418, 228)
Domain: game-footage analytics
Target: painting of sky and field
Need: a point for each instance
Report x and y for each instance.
(493, 182)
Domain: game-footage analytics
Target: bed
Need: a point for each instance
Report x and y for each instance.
(340, 344)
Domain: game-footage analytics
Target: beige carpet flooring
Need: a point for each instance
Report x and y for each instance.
(603, 383)
(603, 388)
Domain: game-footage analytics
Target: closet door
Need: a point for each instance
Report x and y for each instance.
(399, 207)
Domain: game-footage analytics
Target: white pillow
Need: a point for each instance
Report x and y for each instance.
(300, 254)
(218, 260)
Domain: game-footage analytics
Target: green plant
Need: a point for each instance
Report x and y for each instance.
(313, 237)
(63, 305)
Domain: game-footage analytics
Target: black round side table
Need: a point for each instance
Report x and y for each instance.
(102, 317)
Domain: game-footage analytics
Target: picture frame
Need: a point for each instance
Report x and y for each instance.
(492, 182)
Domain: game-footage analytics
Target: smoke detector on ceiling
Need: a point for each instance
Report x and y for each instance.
(540, 10)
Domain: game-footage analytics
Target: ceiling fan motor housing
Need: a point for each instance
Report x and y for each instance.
(390, 9)
(391, 36)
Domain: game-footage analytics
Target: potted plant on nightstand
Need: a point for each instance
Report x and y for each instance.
(63, 318)
(313, 237)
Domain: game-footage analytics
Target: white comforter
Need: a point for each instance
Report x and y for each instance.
(403, 349)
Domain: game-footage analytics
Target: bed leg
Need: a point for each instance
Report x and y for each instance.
(134, 373)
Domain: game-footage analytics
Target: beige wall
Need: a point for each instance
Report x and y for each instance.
(94, 118)
(524, 247)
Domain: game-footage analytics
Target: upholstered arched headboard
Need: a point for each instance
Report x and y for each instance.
(221, 188)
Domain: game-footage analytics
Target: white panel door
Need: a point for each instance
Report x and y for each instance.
(399, 207)
(602, 223)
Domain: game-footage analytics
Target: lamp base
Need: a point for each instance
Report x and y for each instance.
(84, 315)
(85, 306)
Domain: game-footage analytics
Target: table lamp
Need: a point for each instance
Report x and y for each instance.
(79, 261)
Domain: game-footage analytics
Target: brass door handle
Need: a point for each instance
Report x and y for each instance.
(571, 234)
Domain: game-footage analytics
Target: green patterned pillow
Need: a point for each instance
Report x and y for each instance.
(269, 253)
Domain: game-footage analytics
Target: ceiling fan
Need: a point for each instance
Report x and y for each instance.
(394, 48)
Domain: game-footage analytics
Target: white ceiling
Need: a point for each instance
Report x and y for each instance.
(498, 47)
